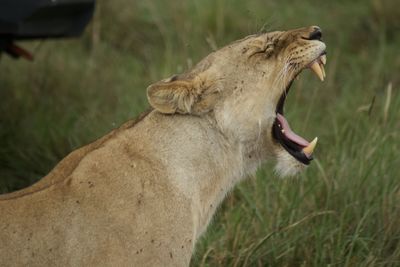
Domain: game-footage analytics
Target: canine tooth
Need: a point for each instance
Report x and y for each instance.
(308, 150)
(323, 70)
(323, 59)
(317, 69)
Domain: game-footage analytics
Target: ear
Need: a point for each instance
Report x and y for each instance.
(188, 96)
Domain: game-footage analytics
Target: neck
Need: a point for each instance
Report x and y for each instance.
(206, 164)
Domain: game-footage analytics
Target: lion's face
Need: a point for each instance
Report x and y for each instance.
(244, 86)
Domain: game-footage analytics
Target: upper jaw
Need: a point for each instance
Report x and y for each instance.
(316, 65)
(319, 56)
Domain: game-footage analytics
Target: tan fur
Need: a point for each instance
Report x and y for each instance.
(143, 194)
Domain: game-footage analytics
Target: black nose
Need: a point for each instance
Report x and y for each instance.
(316, 34)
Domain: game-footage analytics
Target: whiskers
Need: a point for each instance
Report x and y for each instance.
(284, 75)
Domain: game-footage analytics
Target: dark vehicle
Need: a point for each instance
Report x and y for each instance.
(32, 19)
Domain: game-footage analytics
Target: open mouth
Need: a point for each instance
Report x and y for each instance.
(294, 144)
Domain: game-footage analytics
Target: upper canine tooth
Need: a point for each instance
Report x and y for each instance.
(308, 150)
(323, 59)
(323, 70)
(317, 69)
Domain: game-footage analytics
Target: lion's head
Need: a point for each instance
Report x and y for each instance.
(243, 87)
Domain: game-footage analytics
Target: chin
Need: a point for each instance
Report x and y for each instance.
(287, 165)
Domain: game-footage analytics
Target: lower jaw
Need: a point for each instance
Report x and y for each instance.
(293, 149)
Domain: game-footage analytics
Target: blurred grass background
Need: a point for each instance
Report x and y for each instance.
(343, 211)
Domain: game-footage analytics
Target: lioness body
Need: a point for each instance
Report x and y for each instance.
(143, 194)
(129, 198)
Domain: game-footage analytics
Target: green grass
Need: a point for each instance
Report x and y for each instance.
(343, 211)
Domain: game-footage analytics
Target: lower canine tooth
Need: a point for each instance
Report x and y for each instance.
(308, 150)
(317, 69)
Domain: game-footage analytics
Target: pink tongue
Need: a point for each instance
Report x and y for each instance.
(289, 134)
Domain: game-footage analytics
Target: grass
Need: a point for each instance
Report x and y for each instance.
(343, 211)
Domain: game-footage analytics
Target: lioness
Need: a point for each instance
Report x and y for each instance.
(143, 194)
